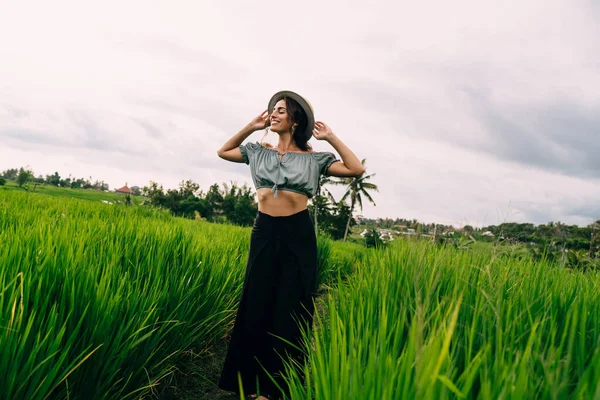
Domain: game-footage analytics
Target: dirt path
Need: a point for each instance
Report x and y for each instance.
(201, 382)
(194, 385)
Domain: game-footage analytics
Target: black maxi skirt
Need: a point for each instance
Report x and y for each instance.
(280, 284)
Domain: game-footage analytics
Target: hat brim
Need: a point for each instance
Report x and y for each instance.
(308, 110)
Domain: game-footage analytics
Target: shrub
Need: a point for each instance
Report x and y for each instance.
(374, 239)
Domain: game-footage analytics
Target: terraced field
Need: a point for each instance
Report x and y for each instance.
(108, 302)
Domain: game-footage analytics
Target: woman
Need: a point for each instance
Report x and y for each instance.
(281, 273)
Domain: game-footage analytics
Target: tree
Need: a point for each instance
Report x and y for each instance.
(155, 194)
(100, 185)
(356, 188)
(78, 183)
(335, 222)
(232, 203)
(11, 174)
(468, 230)
(318, 199)
(2, 181)
(320, 209)
(239, 206)
(24, 176)
(53, 180)
(214, 199)
(187, 188)
(65, 182)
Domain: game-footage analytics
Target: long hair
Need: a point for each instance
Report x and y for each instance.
(297, 115)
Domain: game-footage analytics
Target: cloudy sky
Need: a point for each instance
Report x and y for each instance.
(468, 112)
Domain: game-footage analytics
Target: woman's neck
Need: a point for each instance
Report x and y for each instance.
(286, 143)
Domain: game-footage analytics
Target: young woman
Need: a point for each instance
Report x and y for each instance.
(281, 273)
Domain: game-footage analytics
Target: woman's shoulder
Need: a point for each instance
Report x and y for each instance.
(254, 146)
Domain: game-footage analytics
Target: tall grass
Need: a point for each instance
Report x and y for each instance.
(100, 301)
(418, 321)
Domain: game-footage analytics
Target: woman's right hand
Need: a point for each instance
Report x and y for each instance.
(261, 121)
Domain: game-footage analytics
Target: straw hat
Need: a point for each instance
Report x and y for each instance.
(308, 110)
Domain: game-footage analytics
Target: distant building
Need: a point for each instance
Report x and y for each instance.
(487, 233)
(124, 190)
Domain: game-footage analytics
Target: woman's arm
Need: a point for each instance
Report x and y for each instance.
(230, 151)
(350, 165)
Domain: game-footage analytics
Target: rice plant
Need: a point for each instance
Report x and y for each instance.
(420, 321)
(100, 301)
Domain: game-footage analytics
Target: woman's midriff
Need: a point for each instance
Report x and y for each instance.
(286, 203)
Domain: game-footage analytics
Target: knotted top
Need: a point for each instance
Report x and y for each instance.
(296, 172)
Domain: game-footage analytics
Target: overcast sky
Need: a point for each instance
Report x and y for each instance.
(468, 112)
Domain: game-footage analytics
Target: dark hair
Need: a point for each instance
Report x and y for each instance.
(297, 115)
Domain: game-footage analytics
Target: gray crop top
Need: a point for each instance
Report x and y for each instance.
(296, 172)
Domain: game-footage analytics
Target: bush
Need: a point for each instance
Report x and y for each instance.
(2, 181)
(374, 239)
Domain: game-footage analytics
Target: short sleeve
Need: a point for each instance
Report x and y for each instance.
(248, 150)
(324, 159)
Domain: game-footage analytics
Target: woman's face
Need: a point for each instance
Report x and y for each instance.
(280, 119)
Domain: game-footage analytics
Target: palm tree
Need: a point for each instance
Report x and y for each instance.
(323, 180)
(356, 188)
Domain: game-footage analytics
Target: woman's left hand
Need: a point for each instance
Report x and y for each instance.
(322, 131)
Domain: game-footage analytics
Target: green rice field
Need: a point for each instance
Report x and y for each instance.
(102, 301)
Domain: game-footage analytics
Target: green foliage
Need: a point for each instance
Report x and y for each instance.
(103, 301)
(10, 173)
(332, 217)
(113, 288)
(575, 237)
(374, 239)
(401, 224)
(568, 258)
(233, 204)
(54, 179)
(418, 321)
(458, 242)
(2, 181)
(24, 176)
(239, 206)
(357, 187)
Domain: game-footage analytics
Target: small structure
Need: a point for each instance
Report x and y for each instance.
(487, 233)
(124, 190)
